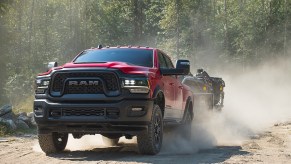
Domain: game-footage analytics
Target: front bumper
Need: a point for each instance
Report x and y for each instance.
(119, 117)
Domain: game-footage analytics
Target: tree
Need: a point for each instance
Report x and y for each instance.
(4, 6)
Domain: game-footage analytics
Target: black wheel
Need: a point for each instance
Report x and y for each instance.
(53, 142)
(187, 122)
(150, 141)
(110, 141)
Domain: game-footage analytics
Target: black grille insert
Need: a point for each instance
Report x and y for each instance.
(105, 112)
(83, 112)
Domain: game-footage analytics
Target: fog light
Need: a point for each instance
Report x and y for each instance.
(38, 111)
(56, 113)
(136, 109)
(40, 90)
(139, 90)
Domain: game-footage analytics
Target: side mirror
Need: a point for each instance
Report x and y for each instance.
(182, 68)
(183, 65)
(51, 65)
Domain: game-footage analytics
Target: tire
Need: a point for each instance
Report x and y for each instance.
(110, 141)
(150, 141)
(187, 123)
(53, 142)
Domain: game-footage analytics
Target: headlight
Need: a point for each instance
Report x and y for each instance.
(42, 82)
(45, 82)
(41, 85)
(136, 85)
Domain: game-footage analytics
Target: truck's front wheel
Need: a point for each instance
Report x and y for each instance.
(53, 142)
(150, 141)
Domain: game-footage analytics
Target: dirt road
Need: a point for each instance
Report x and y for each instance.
(272, 146)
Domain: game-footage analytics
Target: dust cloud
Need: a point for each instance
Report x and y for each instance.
(87, 142)
(254, 100)
(90, 142)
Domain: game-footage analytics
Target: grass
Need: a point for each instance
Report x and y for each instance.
(5, 131)
(26, 131)
(25, 106)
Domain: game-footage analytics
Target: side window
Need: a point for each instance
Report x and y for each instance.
(162, 61)
(169, 62)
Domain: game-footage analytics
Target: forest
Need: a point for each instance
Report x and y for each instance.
(217, 35)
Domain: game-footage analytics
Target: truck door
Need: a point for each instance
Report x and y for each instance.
(169, 90)
(178, 90)
(179, 97)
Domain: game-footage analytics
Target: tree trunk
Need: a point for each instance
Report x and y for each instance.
(30, 25)
(226, 48)
(285, 29)
(20, 13)
(46, 28)
(137, 19)
(177, 3)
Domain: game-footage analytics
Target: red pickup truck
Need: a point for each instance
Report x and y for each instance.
(115, 92)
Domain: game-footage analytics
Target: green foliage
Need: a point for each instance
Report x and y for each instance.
(34, 32)
(4, 5)
(3, 129)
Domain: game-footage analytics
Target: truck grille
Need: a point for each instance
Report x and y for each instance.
(109, 79)
(105, 112)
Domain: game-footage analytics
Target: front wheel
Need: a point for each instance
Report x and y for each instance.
(150, 141)
(53, 142)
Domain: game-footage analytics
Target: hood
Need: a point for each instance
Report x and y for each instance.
(124, 67)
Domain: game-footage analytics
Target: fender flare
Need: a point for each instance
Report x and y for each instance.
(162, 104)
(157, 90)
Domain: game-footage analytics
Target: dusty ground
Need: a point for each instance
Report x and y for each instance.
(272, 146)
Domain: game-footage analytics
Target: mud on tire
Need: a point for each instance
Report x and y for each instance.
(150, 141)
(53, 142)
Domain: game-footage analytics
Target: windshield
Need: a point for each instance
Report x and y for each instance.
(140, 57)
